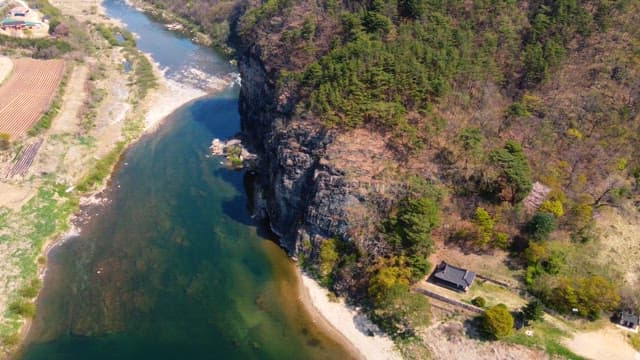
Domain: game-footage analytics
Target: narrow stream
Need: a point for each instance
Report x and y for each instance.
(172, 266)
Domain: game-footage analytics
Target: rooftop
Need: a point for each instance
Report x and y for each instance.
(12, 22)
(455, 276)
(19, 10)
(629, 319)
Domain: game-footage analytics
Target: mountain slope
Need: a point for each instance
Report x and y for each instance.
(384, 127)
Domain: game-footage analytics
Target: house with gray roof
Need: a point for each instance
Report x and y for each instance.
(453, 277)
(628, 320)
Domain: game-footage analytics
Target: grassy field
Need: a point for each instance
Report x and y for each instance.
(25, 233)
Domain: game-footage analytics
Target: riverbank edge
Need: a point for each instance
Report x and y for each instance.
(157, 107)
(336, 318)
(152, 124)
(167, 17)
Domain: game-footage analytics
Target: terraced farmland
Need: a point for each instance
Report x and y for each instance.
(28, 93)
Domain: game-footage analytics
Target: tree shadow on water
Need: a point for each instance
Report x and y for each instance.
(240, 208)
(218, 114)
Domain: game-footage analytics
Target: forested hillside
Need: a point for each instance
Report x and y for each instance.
(492, 125)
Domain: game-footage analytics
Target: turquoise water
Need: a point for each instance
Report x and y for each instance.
(172, 266)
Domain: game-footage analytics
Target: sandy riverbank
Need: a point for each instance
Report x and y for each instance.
(345, 323)
(168, 98)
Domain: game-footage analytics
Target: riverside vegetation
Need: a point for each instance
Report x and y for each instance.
(478, 101)
(26, 230)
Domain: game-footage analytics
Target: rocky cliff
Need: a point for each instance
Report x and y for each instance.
(304, 189)
(302, 196)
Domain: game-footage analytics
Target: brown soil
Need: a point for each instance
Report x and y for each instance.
(26, 95)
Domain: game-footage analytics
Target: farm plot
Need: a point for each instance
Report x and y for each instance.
(25, 159)
(27, 95)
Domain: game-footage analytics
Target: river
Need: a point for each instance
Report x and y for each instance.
(172, 265)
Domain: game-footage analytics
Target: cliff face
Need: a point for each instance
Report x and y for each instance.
(303, 193)
(302, 196)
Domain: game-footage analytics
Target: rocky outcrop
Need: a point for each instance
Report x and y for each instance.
(303, 197)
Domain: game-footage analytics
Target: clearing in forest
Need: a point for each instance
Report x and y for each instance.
(28, 93)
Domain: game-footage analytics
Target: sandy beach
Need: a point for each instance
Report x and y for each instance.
(346, 323)
(168, 98)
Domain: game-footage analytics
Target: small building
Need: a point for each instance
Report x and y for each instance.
(628, 320)
(19, 11)
(12, 24)
(453, 277)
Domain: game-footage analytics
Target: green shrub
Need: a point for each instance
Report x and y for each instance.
(590, 295)
(402, 312)
(5, 141)
(386, 274)
(518, 109)
(409, 231)
(552, 207)
(328, 257)
(541, 226)
(11, 339)
(485, 223)
(514, 179)
(497, 321)
(413, 9)
(30, 290)
(501, 240)
(634, 340)
(533, 311)
(479, 301)
(24, 308)
(470, 139)
(101, 169)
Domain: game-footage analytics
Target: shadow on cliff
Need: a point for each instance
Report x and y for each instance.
(240, 207)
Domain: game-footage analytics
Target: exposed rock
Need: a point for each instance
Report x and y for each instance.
(535, 198)
(235, 153)
(313, 183)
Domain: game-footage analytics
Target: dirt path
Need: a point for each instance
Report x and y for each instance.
(607, 343)
(67, 120)
(14, 196)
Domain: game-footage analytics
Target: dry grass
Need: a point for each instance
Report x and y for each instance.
(448, 339)
(619, 243)
(83, 10)
(607, 343)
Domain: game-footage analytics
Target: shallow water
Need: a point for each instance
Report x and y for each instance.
(173, 267)
(180, 58)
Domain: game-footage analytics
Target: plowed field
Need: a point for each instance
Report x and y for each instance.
(28, 93)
